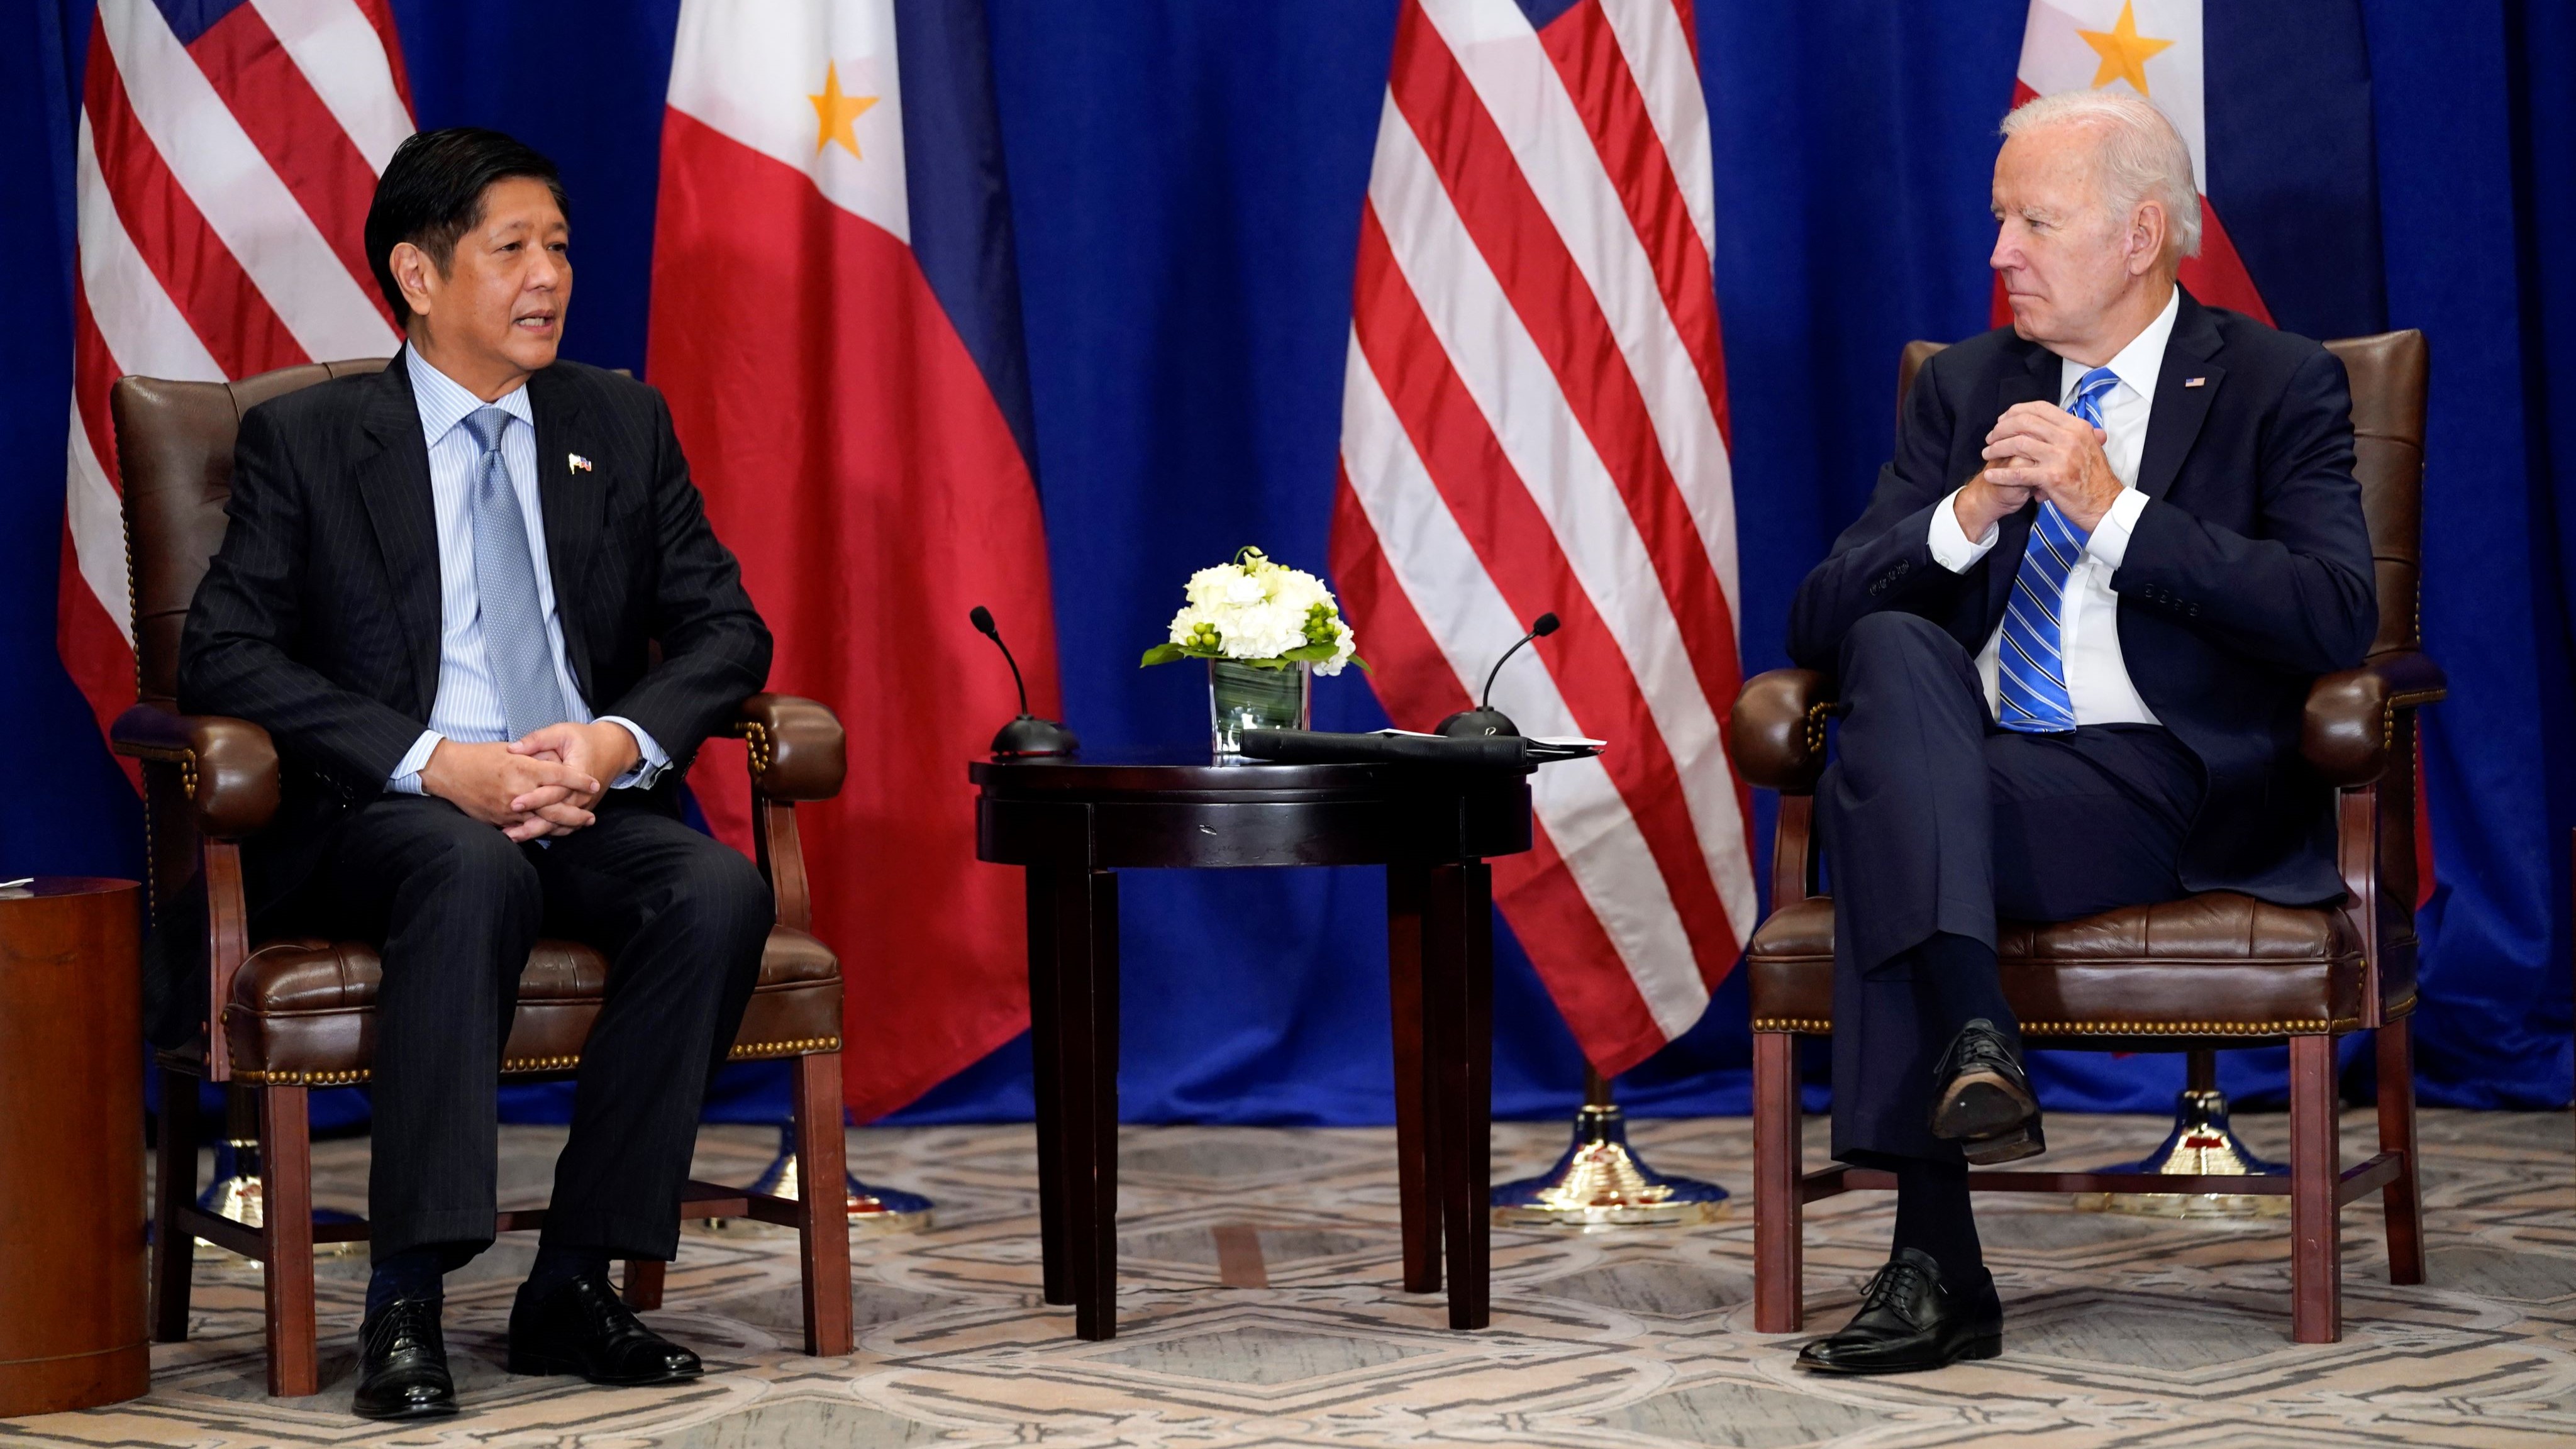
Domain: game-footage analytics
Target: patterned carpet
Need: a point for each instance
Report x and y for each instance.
(1260, 1309)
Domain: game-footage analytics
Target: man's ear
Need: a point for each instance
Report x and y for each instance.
(2148, 226)
(413, 272)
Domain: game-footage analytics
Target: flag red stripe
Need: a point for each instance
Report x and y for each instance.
(1564, 319)
(296, 133)
(223, 307)
(1587, 56)
(93, 651)
(1522, 555)
(93, 373)
(380, 14)
(2217, 277)
(1689, 14)
(1549, 915)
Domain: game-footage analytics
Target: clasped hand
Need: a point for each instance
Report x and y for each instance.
(544, 784)
(2040, 451)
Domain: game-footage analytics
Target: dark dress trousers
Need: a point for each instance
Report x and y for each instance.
(2248, 576)
(319, 620)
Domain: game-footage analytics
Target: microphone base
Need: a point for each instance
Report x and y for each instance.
(1469, 724)
(1031, 738)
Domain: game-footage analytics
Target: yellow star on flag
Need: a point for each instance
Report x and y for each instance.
(2123, 50)
(833, 113)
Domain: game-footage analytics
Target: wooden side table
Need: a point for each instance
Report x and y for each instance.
(71, 1147)
(1074, 823)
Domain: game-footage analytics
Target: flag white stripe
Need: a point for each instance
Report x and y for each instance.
(1511, 74)
(1576, 801)
(145, 331)
(1503, 370)
(1659, 56)
(96, 518)
(249, 209)
(343, 58)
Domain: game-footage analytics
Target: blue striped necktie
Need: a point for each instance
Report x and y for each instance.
(2030, 667)
(505, 585)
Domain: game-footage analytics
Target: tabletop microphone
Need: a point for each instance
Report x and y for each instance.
(1026, 737)
(1484, 719)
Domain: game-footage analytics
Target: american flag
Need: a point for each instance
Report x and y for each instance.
(1534, 419)
(227, 153)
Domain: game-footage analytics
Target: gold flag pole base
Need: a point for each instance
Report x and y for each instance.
(873, 1210)
(1600, 1182)
(2201, 1144)
(236, 1192)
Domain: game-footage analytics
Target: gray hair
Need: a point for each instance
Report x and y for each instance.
(2143, 158)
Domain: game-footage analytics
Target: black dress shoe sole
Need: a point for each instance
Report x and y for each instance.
(2011, 1147)
(440, 1409)
(1983, 1346)
(529, 1365)
(1980, 1106)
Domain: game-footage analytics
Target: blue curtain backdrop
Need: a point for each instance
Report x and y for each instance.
(1187, 177)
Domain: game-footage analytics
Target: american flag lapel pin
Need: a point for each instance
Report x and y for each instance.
(580, 464)
(2187, 382)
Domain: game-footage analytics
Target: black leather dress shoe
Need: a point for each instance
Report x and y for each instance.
(1910, 1321)
(402, 1364)
(1986, 1104)
(583, 1327)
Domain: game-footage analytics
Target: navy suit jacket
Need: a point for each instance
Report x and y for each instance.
(319, 617)
(2249, 575)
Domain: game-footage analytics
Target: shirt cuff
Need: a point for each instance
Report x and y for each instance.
(405, 779)
(1951, 547)
(646, 770)
(2110, 540)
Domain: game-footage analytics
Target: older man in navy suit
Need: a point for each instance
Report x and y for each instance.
(2074, 630)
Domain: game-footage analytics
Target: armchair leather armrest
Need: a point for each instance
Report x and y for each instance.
(798, 751)
(1776, 732)
(2351, 720)
(227, 767)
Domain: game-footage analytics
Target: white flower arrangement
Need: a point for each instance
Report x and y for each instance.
(1264, 614)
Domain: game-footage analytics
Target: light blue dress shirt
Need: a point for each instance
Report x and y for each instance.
(468, 706)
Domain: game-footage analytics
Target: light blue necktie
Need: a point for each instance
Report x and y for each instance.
(2030, 668)
(505, 581)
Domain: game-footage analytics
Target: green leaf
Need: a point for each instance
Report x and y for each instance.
(1162, 654)
(1310, 653)
(1364, 665)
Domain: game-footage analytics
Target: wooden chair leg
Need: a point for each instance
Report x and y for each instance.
(823, 1239)
(1779, 1230)
(2316, 1170)
(286, 1224)
(174, 1186)
(644, 1283)
(2403, 1198)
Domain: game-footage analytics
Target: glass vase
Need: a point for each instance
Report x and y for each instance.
(1241, 697)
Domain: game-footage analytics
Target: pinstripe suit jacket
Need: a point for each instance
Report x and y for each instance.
(319, 617)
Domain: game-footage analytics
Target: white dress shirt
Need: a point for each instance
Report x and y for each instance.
(468, 706)
(2097, 678)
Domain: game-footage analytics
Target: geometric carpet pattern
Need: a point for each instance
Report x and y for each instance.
(1259, 1306)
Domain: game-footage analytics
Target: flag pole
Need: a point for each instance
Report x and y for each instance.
(1601, 1182)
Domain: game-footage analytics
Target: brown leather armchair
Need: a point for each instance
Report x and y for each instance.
(2211, 970)
(290, 1015)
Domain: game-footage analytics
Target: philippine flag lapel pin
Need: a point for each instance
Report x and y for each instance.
(577, 463)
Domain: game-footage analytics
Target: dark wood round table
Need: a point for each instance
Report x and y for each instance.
(1073, 824)
(71, 1147)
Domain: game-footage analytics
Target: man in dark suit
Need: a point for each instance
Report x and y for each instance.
(2075, 630)
(439, 592)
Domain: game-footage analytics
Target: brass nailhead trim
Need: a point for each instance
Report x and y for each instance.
(755, 735)
(754, 1052)
(1817, 714)
(1807, 1026)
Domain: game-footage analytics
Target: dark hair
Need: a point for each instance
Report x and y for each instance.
(432, 193)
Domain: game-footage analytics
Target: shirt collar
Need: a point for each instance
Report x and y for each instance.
(2142, 361)
(444, 402)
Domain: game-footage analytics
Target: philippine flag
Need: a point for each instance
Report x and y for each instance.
(836, 325)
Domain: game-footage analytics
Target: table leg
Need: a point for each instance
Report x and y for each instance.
(1045, 1021)
(1086, 945)
(1417, 1148)
(1458, 999)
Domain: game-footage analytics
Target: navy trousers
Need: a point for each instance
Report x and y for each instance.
(1935, 819)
